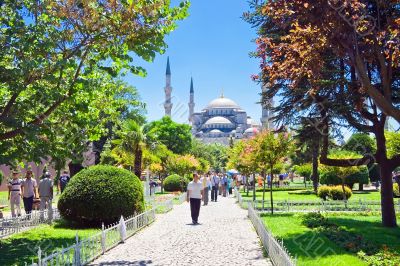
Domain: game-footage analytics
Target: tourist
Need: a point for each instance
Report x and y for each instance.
(229, 185)
(195, 195)
(46, 196)
(14, 194)
(205, 180)
(28, 187)
(224, 185)
(215, 185)
(63, 181)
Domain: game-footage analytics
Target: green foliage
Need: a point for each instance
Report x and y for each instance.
(334, 192)
(101, 194)
(330, 177)
(384, 257)
(177, 137)
(303, 170)
(374, 173)
(361, 143)
(314, 220)
(1, 177)
(392, 143)
(175, 183)
(396, 190)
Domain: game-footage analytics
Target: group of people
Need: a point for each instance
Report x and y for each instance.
(29, 191)
(199, 189)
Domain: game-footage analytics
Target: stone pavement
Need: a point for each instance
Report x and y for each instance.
(224, 237)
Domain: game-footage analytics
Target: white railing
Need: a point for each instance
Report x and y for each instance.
(164, 206)
(4, 200)
(317, 205)
(275, 249)
(182, 197)
(86, 250)
(13, 225)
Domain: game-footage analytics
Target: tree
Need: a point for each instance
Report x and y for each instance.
(182, 164)
(307, 41)
(270, 148)
(177, 137)
(132, 139)
(50, 52)
(160, 166)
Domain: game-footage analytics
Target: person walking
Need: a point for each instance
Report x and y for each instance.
(63, 181)
(214, 187)
(230, 184)
(28, 191)
(14, 194)
(205, 182)
(194, 196)
(46, 196)
(224, 185)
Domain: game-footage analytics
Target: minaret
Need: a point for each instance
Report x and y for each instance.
(168, 91)
(266, 119)
(191, 102)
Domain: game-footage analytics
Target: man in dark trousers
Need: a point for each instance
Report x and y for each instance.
(195, 195)
(214, 186)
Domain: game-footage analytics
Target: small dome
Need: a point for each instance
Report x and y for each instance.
(215, 131)
(218, 120)
(223, 103)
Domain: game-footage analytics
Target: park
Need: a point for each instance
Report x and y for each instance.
(104, 162)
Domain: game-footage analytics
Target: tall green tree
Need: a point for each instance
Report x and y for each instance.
(177, 137)
(50, 51)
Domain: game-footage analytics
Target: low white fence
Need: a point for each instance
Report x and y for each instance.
(275, 249)
(317, 205)
(164, 206)
(182, 198)
(86, 250)
(4, 201)
(13, 225)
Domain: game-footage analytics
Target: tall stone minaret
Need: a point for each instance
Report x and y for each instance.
(191, 102)
(168, 91)
(266, 119)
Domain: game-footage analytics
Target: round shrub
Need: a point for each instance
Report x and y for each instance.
(101, 194)
(337, 193)
(334, 192)
(324, 192)
(175, 183)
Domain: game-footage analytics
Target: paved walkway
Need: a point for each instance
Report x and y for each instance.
(224, 237)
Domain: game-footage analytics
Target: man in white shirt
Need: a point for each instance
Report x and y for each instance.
(214, 189)
(195, 195)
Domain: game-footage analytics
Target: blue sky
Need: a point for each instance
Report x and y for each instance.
(213, 46)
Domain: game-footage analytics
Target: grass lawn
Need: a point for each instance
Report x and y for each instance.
(312, 248)
(292, 196)
(22, 247)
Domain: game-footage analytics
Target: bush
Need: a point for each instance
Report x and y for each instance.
(334, 192)
(337, 193)
(175, 183)
(101, 194)
(324, 192)
(314, 220)
(396, 192)
(329, 177)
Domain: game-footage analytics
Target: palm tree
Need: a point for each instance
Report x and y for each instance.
(133, 139)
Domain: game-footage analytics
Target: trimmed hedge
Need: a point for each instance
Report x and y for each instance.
(330, 178)
(175, 183)
(101, 194)
(334, 192)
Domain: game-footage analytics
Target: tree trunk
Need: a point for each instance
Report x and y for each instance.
(360, 186)
(387, 201)
(74, 168)
(263, 197)
(270, 194)
(315, 176)
(138, 162)
(162, 183)
(254, 187)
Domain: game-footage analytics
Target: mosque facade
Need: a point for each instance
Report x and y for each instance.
(222, 120)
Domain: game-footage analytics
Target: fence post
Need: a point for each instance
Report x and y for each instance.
(103, 238)
(39, 257)
(77, 253)
(122, 229)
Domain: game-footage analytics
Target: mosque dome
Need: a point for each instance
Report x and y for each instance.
(222, 103)
(251, 130)
(215, 131)
(218, 120)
